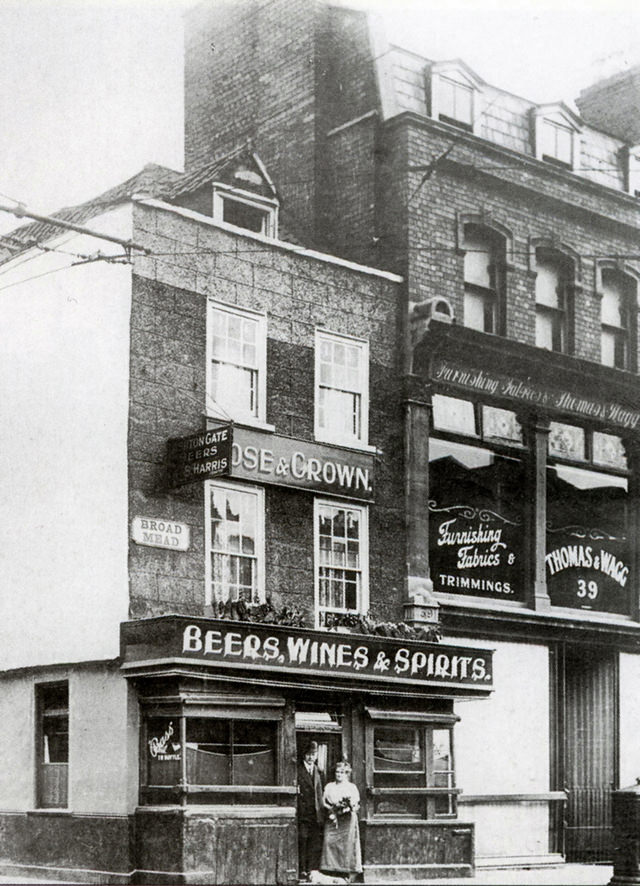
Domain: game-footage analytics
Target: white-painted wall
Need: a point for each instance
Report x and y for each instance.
(629, 719)
(64, 374)
(502, 748)
(103, 739)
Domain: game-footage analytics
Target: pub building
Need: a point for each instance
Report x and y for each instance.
(155, 720)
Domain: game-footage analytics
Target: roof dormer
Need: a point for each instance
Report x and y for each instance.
(455, 94)
(556, 130)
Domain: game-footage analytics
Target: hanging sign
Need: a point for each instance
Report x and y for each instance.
(199, 456)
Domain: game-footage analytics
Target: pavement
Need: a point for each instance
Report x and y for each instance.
(556, 875)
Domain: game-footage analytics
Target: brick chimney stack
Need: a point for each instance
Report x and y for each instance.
(613, 105)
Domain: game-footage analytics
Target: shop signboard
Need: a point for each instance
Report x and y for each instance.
(527, 392)
(588, 569)
(475, 551)
(285, 461)
(243, 646)
(199, 456)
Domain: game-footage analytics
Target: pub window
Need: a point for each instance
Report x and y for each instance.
(341, 389)
(552, 301)
(234, 521)
(413, 774)
(52, 707)
(476, 517)
(210, 755)
(483, 279)
(237, 348)
(617, 313)
(341, 557)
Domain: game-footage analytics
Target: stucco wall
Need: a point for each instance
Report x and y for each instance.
(502, 748)
(629, 719)
(102, 739)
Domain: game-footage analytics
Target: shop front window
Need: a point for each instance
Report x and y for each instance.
(589, 553)
(218, 753)
(476, 521)
(413, 773)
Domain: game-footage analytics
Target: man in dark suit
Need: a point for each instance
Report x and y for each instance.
(310, 811)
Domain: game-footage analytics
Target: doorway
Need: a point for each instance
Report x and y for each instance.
(326, 730)
(585, 743)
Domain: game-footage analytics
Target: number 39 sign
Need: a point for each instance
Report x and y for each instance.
(592, 573)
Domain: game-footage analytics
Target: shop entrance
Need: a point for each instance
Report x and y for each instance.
(326, 730)
(586, 712)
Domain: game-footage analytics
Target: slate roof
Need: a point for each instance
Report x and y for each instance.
(153, 180)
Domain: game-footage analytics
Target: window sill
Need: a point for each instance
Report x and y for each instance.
(251, 424)
(346, 444)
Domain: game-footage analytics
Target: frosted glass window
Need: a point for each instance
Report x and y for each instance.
(453, 414)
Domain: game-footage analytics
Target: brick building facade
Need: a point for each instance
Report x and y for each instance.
(518, 222)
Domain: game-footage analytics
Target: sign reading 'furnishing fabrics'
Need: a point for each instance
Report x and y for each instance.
(239, 645)
(483, 381)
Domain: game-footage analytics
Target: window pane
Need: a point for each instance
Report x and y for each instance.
(547, 284)
(453, 414)
(340, 388)
(234, 367)
(608, 347)
(478, 311)
(501, 424)
(407, 805)
(340, 563)
(234, 543)
(589, 555)
(566, 441)
(609, 450)
(163, 751)
(208, 751)
(244, 216)
(613, 301)
(476, 521)
(477, 259)
(254, 752)
(398, 750)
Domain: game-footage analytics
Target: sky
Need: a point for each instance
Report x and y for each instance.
(91, 90)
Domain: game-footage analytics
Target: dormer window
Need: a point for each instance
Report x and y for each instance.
(556, 131)
(633, 170)
(245, 210)
(455, 94)
(557, 142)
(456, 102)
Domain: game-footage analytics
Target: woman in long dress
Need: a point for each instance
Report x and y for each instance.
(341, 843)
